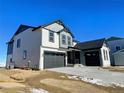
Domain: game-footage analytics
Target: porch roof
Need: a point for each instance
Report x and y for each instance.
(94, 44)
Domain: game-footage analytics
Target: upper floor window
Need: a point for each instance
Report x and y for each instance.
(69, 40)
(118, 48)
(63, 39)
(24, 54)
(51, 36)
(18, 43)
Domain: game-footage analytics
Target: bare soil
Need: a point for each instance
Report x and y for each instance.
(115, 69)
(21, 81)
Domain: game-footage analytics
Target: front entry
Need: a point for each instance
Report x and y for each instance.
(73, 57)
(92, 58)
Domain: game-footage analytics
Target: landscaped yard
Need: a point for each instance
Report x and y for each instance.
(28, 81)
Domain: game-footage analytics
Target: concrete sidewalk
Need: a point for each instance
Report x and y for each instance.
(106, 77)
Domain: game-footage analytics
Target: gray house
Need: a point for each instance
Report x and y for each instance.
(115, 44)
(119, 58)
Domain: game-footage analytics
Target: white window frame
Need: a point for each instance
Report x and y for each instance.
(104, 54)
(51, 36)
(24, 54)
(69, 40)
(63, 39)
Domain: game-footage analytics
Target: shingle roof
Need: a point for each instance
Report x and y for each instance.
(22, 28)
(94, 44)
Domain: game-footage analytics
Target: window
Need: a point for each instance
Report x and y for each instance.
(24, 54)
(18, 43)
(51, 36)
(10, 48)
(104, 53)
(69, 41)
(118, 48)
(10, 60)
(63, 39)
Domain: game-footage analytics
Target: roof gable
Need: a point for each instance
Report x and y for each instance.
(94, 44)
(56, 26)
(22, 28)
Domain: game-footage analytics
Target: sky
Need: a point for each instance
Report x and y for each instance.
(87, 19)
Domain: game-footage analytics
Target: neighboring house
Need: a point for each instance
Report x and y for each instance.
(115, 44)
(119, 58)
(94, 53)
(40, 47)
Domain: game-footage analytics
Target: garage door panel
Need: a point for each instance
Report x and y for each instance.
(92, 58)
(53, 60)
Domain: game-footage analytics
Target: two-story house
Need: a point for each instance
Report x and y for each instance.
(53, 45)
(40, 47)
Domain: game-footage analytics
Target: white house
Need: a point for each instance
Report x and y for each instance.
(40, 47)
(94, 53)
(115, 44)
(46, 46)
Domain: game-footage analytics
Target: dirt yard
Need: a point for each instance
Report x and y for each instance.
(115, 69)
(24, 81)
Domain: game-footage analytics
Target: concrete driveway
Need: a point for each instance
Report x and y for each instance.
(103, 77)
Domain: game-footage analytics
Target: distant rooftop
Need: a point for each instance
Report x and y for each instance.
(114, 38)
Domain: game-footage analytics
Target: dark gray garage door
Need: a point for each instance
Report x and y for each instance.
(54, 59)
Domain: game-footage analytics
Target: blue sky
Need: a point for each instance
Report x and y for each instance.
(87, 19)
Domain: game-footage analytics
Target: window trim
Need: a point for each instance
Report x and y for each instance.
(104, 54)
(64, 39)
(69, 40)
(51, 36)
(24, 54)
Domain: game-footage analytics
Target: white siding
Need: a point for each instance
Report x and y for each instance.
(104, 62)
(45, 39)
(66, 34)
(54, 27)
(42, 49)
(30, 41)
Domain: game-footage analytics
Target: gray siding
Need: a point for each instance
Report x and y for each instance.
(30, 41)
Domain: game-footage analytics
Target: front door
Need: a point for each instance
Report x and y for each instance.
(73, 57)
